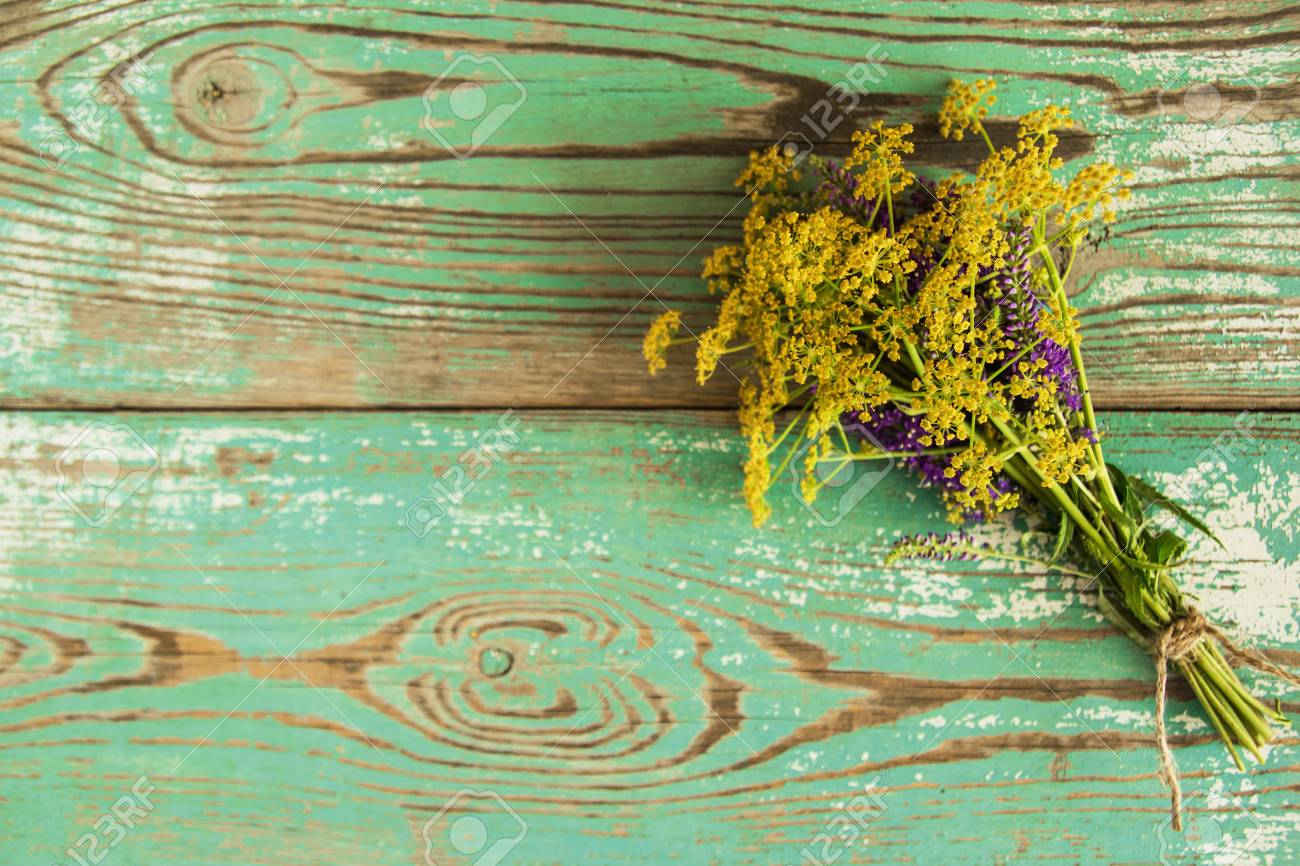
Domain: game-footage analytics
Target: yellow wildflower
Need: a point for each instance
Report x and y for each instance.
(878, 151)
(769, 171)
(757, 427)
(965, 106)
(1093, 189)
(835, 318)
(1019, 181)
(1042, 123)
(1060, 327)
(658, 338)
(1059, 456)
(758, 477)
(721, 267)
(976, 468)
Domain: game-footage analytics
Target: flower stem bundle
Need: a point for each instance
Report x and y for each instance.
(878, 316)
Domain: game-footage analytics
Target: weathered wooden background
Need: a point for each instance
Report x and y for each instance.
(229, 240)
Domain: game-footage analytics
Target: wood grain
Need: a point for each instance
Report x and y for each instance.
(260, 310)
(273, 141)
(596, 634)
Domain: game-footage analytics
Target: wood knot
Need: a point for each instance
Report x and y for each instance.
(229, 94)
(494, 662)
(234, 95)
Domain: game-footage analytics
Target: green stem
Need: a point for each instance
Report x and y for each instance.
(1251, 708)
(914, 357)
(883, 455)
(780, 470)
(1064, 502)
(1239, 733)
(1058, 288)
(1026, 350)
(875, 211)
(1011, 557)
(1201, 689)
(786, 432)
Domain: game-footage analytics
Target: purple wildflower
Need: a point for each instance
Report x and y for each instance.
(839, 189)
(891, 429)
(1061, 368)
(1021, 309)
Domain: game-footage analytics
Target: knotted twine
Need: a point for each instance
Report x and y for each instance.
(1176, 641)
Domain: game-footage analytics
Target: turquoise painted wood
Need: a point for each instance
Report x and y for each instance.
(596, 635)
(249, 291)
(295, 133)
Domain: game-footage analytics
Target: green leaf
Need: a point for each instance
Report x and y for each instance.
(1154, 496)
(1113, 512)
(1167, 547)
(1124, 517)
(1064, 534)
(1124, 491)
(1148, 568)
(1118, 616)
(1118, 480)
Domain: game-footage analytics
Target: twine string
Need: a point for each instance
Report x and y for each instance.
(1178, 640)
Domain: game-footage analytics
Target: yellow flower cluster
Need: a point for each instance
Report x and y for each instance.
(799, 298)
(769, 172)
(879, 152)
(836, 316)
(976, 468)
(1060, 325)
(658, 338)
(1019, 182)
(1042, 124)
(965, 106)
(1094, 190)
(1059, 455)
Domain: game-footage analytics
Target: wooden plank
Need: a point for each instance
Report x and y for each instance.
(290, 136)
(305, 680)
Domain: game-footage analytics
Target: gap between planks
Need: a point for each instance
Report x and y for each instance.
(1269, 407)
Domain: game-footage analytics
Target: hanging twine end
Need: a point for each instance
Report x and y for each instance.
(1176, 641)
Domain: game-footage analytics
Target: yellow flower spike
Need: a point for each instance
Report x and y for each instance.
(658, 338)
(758, 429)
(810, 483)
(965, 106)
(758, 478)
(713, 343)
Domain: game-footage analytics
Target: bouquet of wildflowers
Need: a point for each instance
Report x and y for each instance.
(881, 316)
